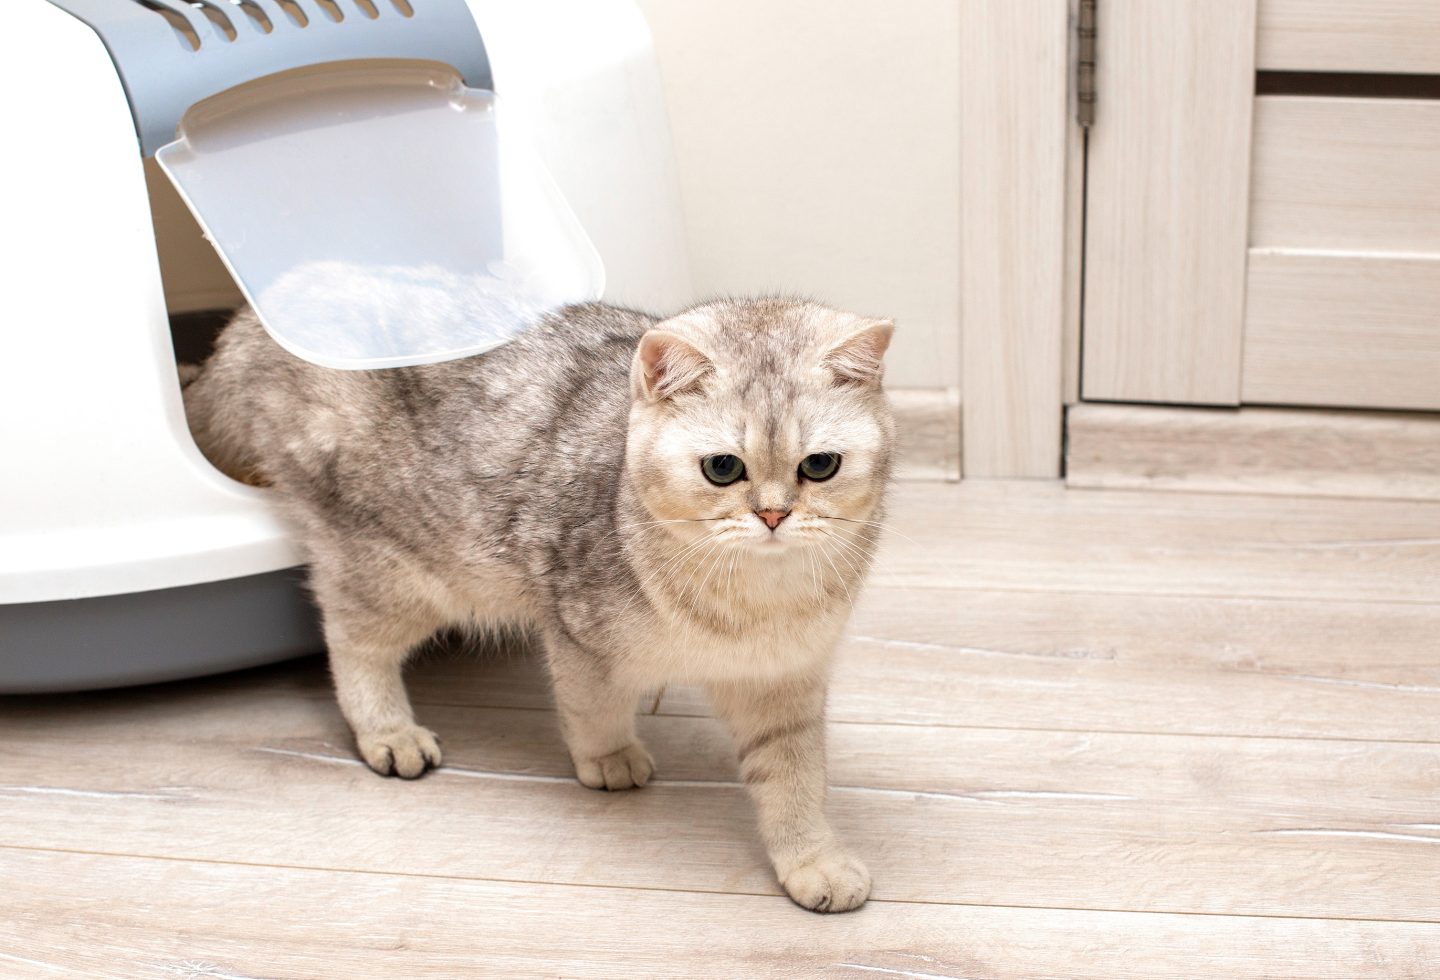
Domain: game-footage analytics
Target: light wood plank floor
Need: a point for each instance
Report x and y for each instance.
(1074, 734)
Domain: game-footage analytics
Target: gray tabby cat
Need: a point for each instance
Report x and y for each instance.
(693, 500)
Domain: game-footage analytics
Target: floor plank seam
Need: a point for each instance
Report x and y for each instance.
(421, 702)
(950, 726)
(323, 869)
(979, 796)
(896, 583)
(1253, 492)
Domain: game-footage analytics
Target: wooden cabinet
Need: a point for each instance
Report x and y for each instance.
(1264, 249)
(1343, 285)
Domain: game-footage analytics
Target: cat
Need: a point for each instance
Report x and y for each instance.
(695, 499)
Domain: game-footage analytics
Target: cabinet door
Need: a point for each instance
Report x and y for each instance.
(1260, 228)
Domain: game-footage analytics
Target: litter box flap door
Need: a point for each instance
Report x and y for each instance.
(380, 214)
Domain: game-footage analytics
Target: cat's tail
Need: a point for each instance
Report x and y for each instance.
(216, 405)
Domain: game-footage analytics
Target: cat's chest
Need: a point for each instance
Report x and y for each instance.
(681, 649)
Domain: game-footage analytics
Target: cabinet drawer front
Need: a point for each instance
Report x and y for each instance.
(1351, 174)
(1342, 330)
(1349, 35)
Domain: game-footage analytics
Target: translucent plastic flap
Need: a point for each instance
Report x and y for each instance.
(380, 214)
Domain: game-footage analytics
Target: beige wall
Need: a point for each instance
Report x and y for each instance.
(818, 151)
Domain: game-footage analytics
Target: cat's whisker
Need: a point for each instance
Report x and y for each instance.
(654, 576)
(843, 584)
(720, 557)
(841, 546)
(814, 576)
(864, 556)
(694, 564)
(881, 525)
(822, 548)
(694, 557)
(700, 592)
(861, 555)
(697, 564)
(673, 520)
(858, 572)
(638, 526)
(673, 564)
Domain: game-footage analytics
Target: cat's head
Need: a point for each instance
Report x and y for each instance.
(761, 424)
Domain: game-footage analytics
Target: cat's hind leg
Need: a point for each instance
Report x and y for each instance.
(597, 716)
(368, 647)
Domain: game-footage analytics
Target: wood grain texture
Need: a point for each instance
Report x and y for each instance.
(271, 780)
(1254, 450)
(1085, 662)
(1082, 662)
(1079, 662)
(1341, 35)
(1344, 330)
(1013, 168)
(1064, 723)
(1166, 215)
(1040, 537)
(927, 433)
(290, 923)
(1346, 174)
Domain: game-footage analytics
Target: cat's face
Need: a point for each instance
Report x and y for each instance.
(762, 426)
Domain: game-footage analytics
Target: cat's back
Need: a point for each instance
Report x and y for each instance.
(561, 387)
(549, 376)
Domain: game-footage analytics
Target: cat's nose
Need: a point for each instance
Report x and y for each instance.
(772, 518)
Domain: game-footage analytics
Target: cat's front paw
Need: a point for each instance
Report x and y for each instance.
(404, 752)
(629, 768)
(831, 882)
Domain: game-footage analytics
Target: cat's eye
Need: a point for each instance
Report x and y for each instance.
(819, 466)
(722, 469)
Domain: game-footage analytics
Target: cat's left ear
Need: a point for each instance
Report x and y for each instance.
(859, 355)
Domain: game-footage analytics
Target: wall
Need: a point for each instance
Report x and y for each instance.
(818, 150)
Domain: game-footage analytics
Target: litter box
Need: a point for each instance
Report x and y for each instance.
(518, 145)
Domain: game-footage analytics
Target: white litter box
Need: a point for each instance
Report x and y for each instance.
(315, 140)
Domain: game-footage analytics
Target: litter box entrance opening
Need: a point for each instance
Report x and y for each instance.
(200, 295)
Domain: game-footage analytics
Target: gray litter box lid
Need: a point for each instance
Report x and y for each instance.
(170, 54)
(347, 160)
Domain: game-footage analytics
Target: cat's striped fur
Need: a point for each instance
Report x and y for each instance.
(555, 484)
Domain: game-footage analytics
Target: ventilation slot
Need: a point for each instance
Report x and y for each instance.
(367, 8)
(294, 12)
(177, 20)
(404, 7)
(216, 16)
(256, 14)
(332, 9)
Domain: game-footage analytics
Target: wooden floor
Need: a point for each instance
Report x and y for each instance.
(1074, 734)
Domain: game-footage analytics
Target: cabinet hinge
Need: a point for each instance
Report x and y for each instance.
(1085, 63)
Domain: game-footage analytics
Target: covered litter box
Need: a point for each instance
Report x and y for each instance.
(364, 188)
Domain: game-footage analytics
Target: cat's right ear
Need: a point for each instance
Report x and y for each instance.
(666, 364)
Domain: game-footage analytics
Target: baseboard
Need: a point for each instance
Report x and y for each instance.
(1254, 450)
(928, 423)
